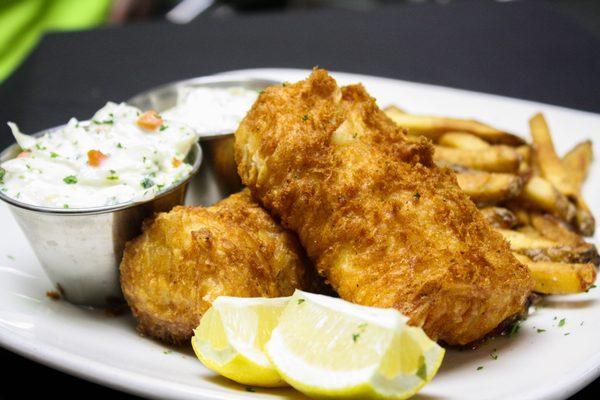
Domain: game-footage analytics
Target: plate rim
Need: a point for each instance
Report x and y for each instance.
(153, 387)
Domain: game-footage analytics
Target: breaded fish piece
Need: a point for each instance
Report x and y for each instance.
(187, 257)
(382, 223)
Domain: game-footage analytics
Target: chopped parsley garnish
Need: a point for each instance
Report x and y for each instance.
(494, 354)
(541, 330)
(147, 183)
(514, 329)
(65, 206)
(119, 146)
(167, 351)
(422, 371)
(40, 147)
(417, 196)
(106, 122)
(70, 180)
(300, 301)
(2, 173)
(305, 117)
(113, 175)
(160, 186)
(251, 390)
(480, 368)
(10, 257)
(562, 322)
(361, 329)
(53, 154)
(567, 334)
(590, 288)
(163, 127)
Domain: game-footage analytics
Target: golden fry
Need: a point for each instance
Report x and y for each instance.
(499, 217)
(525, 167)
(554, 229)
(493, 159)
(434, 127)
(584, 219)
(540, 194)
(548, 161)
(532, 244)
(559, 278)
(488, 187)
(465, 141)
(577, 162)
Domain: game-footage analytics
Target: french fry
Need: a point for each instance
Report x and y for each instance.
(465, 141)
(554, 229)
(434, 127)
(499, 217)
(489, 188)
(538, 248)
(559, 278)
(524, 241)
(550, 164)
(522, 215)
(493, 159)
(584, 219)
(540, 194)
(525, 165)
(577, 162)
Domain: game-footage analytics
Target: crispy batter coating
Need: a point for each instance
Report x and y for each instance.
(186, 258)
(382, 223)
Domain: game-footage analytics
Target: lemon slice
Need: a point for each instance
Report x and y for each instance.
(329, 348)
(231, 336)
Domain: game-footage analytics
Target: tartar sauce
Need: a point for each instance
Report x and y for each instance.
(212, 111)
(120, 155)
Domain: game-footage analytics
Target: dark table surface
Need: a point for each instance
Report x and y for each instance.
(541, 51)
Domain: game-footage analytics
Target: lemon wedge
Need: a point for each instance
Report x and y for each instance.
(332, 349)
(231, 336)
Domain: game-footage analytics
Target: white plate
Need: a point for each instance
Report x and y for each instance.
(107, 350)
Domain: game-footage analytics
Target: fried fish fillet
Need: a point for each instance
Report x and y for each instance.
(187, 257)
(382, 223)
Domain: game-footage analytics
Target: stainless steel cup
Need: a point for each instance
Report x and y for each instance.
(81, 249)
(218, 177)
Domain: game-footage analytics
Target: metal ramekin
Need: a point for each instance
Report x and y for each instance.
(81, 248)
(218, 177)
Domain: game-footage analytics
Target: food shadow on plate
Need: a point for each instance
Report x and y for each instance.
(567, 303)
(281, 392)
(489, 351)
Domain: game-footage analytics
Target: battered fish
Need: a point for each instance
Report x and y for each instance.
(382, 223)
(187, 257)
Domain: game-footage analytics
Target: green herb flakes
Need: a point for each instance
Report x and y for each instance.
(70, 180)
(494, 354)
(147, 183)
(513, 330)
